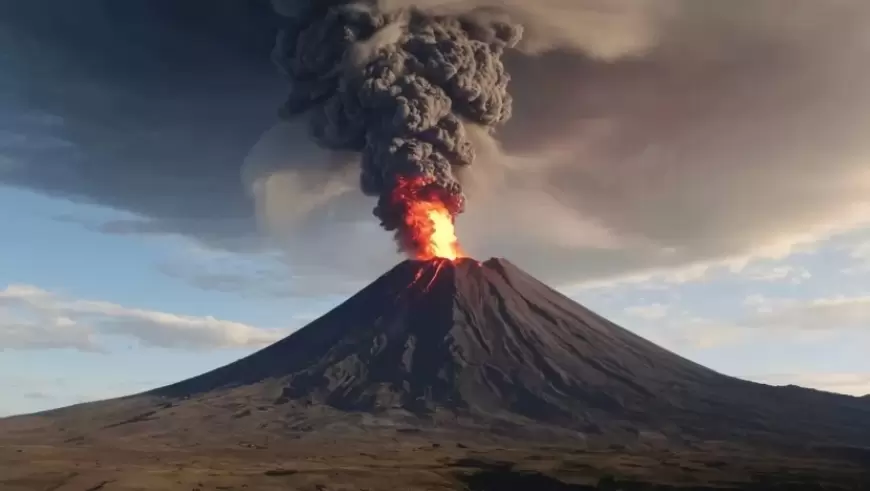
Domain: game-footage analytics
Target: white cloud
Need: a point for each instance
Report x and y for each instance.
(47, 334)
(860, 255)
(33, 318)
(798, 320)
(822, 314)
(861, 251)
(791, 274)
(704, 333)
(761, 304)
(767, 321)
(752, 266)
(756, 301)
(649, 312)
(857, 384)
(656, 278)
(680, 330)
(253, 275)
(695, 332)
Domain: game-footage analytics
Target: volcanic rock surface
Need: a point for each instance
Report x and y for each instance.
(469, 345)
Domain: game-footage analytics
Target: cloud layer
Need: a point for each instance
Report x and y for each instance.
(32, 318)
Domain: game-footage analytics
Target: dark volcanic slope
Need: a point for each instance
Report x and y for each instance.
(475, 336)
(486, 343)
(488, 338)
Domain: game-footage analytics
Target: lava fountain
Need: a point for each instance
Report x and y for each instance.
(428, 231)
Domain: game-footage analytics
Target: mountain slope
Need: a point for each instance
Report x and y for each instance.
(470, 344)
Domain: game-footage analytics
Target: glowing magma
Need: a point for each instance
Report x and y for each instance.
(429, 230)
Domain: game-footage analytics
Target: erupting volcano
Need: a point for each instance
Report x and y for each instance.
(465, 345)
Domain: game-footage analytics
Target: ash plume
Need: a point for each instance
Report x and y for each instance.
(398, 85)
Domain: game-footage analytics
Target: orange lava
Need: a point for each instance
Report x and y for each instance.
(418, 277)
(433, 231)
(429, 230)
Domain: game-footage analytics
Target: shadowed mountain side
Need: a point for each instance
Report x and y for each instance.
(485, 344)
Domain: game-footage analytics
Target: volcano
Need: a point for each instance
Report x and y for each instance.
(459, 345)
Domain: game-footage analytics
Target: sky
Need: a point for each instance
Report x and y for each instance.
(158, 220)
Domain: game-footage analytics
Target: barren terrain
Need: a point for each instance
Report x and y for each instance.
(408, 462)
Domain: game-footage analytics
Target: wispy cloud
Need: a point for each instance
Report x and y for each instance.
(763, 265)
(48, 334)
(821, 314)
(861, 251)
(700, 333)
(652, 311)
(657, 278)
(264, 275)
(33, 318)
(678, 329)
(764, 319)
(859, 254)
(780, 273)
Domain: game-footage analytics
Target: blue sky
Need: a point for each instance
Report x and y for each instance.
(758, 322)
(65, 259)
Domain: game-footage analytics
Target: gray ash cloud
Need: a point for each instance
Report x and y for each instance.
(398, 86)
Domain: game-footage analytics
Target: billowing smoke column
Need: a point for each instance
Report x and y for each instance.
(398, 86)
